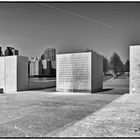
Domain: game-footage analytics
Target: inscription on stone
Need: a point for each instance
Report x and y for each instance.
(73, 71)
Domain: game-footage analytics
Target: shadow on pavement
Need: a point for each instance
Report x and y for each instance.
(107, 89)
(114, 91)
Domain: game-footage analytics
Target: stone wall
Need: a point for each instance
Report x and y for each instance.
(97, 72)
(135, 69)
(14, 73)
(79, 72)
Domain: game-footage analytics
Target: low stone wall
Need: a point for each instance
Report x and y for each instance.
(41, 84)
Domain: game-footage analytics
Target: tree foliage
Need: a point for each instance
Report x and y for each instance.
(89, 50)
(127, 66)
(116, 63)
(105, 64)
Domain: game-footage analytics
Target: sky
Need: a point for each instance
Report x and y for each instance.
(70, 27)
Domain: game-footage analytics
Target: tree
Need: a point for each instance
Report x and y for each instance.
(89, 50)
(105, 64)
(127, 66)
(116, 63)
(8, 51)
(1, 52)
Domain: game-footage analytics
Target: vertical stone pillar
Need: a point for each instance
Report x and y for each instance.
(135, 69)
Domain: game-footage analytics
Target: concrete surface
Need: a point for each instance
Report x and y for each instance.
(13, 73)
(121, 118)
(38, 113)
(79, 72)
(22, 73)
(96, 72)
(10, 73)
(73, 72)
(135, 69)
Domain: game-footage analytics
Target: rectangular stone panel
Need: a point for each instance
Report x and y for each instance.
(22, 73)
(135, 69)
(74, 72)
(14, 73)
(11, 73)
(97, 72)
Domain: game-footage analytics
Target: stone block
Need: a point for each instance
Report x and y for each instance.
(97, 72)
(22, 73)
(10, 73)
(81, 72)
(135, 69)
(14, 73)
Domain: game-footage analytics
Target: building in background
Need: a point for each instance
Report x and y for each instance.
(8, 51)
(50, 54)
(49, 62)
(34, 66)
(45, 65)
(11, 51)
(53, 63)
(15, 52)
(40, 65)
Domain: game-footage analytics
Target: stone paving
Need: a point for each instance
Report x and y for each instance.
(41, 112)
(120, 118)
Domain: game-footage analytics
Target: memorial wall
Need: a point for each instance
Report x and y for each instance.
(135, 69)
(74, 72)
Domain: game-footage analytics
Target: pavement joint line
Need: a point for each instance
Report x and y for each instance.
(60, 128)
(106, 112)
(94, 113)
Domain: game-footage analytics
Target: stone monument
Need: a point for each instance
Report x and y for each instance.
(14, 73)
(79, 72)
(135, 69)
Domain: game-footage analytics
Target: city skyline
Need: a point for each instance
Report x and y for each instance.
(70, 27)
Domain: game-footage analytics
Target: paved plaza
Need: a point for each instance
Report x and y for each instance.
(120, 118)
(38, 113)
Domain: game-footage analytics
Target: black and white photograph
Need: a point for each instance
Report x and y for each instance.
(69, 69)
